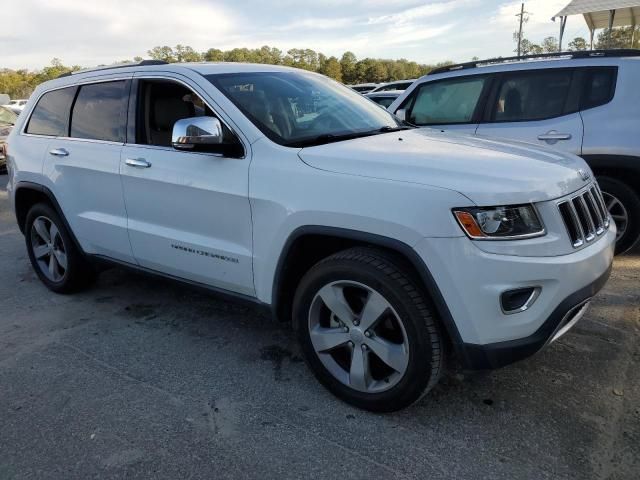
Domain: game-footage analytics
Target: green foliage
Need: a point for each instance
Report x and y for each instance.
(347, 68)
(621, 37)
(577, 44)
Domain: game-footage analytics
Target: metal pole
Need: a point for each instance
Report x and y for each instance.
(520, 31)
(592, 32)
(612, 14)
(563, 23)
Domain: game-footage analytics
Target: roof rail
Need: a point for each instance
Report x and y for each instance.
(540, 56)
(118, 65)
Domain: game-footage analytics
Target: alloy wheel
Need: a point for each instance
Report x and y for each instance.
(48, 249)
(618, 212)
(358, 336)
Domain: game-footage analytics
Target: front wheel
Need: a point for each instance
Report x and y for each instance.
(623, 205)
(367, 330)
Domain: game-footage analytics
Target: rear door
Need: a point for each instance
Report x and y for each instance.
(83, 163)
(536, 106)
(448, 104)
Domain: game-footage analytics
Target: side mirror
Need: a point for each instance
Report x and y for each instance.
(197, 133)
(402, 114)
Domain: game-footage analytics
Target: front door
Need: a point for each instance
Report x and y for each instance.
(188, 212)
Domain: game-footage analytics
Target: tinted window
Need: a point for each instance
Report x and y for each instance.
(534, 95)
(599, 87)
(448, 101)
(51, 113)
(98, 113)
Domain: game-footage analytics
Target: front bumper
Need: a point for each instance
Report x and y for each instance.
(499, 354)
(471, 281)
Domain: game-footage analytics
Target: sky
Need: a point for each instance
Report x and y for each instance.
(88, 33)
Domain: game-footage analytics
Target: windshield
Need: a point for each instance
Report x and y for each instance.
(300, 109)
(7, 117)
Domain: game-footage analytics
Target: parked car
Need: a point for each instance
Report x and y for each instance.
(385, 245)
(363, 87)
(7, 121)
(586, 103)
(16, 106)
(384, 99)
(399, 85)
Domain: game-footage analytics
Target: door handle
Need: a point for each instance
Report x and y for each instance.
(58, 152)
(137, 162)
(554, 136)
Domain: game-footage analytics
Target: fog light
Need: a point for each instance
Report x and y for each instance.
(519, 299)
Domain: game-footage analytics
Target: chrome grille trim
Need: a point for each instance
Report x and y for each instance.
(587, 215)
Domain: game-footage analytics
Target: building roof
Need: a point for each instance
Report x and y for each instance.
(596, 12)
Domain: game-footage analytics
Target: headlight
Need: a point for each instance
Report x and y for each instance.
(500, 223)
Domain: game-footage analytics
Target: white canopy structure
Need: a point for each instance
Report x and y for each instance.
(600, 14)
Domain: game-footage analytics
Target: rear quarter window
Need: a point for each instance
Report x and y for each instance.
(599, 87)
(51, 113)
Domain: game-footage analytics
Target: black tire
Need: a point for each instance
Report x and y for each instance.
(387, 275)
(631, 203)
(78, 274)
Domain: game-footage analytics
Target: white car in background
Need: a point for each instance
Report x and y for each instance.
(16, 106)
(363, 87)
(384, 98)
(398, 85)
(584, 103)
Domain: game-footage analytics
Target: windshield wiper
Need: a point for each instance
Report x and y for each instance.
(395, 129)
(329, 138)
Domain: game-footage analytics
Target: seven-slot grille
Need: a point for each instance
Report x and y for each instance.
(585, 216)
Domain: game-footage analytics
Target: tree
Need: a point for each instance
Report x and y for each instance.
(550, 45)
(348, 67)
(577, 44)
(620, 38)
(213, 55)
(187, 54)
(162, 53)
(331, 68)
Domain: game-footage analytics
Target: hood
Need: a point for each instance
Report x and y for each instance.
(489, 172)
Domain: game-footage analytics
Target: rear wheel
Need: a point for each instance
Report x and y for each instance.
(623, 205)
(55, 258)
(366, 330)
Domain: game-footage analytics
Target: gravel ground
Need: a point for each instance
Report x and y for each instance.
(142, 378)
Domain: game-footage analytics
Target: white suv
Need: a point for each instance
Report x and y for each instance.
(586, 103)
(386, 246)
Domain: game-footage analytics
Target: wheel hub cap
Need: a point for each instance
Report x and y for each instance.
(358, 336)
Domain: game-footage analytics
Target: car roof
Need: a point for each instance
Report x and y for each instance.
(203, 68)
(534, 62)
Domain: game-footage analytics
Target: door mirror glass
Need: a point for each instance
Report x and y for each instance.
(401, 114)
(197, 133)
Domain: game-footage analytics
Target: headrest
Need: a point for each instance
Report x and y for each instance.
(168, 110)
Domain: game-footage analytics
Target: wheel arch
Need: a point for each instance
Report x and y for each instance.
(307, 245)
(27, 194)
(625, 168)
